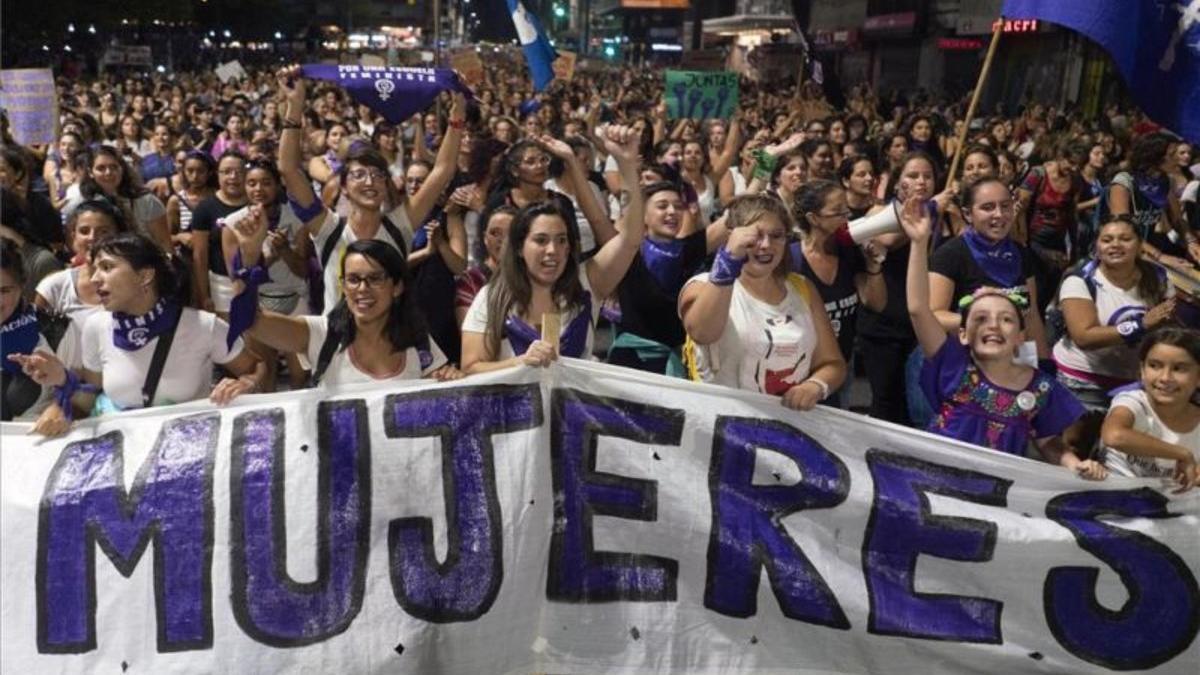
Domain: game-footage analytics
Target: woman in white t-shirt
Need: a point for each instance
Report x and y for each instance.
(1154, 430)
(70, 292)
(755, 326)
(540, 274)
(374, 333)
(285, 260)
(1108, 307)
(137, 287)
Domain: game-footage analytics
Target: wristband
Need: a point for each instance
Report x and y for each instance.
(764, 165)
(820, 384)
(1132, 330)
(288, 124)
(725, 268)
(306, 214)
(458, 124)
(64, 392)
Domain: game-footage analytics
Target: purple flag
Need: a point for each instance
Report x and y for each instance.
(395, 93)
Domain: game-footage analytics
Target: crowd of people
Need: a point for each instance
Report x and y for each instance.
(185, 238)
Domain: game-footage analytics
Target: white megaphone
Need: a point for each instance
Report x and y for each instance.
(886, 221)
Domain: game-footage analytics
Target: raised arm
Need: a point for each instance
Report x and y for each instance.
(291, 139)
(730, 152)
(760, 179)
(917, 224)
(606, 269)
(704, 305)
(602, 226)
(419, 205)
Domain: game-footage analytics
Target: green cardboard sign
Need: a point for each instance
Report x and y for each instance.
(701, 94)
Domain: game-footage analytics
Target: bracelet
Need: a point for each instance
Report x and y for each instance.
(820, 384)
(306, 214)
(457, 124)
(725, 268)
(1132, 330)
(288, 124)
(875, 273)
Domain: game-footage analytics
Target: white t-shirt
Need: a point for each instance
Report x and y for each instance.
(476, 320)
(283, 280)
(1147, 422)
(765, 348)
(333, 267)
(1113, 305)
(342, 369)
(187, 375)
(587, 239)
(59, 291)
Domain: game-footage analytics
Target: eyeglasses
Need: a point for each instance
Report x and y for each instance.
(372, 280)
(360, 175)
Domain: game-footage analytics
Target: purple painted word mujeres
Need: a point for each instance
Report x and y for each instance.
(170, 507)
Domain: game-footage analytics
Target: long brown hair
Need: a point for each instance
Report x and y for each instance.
(1150, 287)
(510, 289)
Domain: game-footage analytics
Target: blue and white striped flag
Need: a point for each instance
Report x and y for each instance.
(538, 52)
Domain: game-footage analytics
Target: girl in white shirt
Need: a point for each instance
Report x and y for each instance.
(137, 287)
(70, 292)
(1154, 430)
(757, 327)
(540, 274)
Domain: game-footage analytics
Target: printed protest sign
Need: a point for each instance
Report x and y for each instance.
(467, 62)
(701, 94)
(28, 96)
(564, 65)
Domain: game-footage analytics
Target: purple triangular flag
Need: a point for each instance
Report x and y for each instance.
(395, 93)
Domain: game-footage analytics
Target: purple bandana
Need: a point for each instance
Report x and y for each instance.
(395, 93)
(19, 335)
(1153, 189)
(131, 333)
(664, 261)
(335, 164)
(1001, 261)
(572, 342)
(244, 305)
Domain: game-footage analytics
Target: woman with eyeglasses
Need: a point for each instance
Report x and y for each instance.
(142, 315)
(364, 180)
(111, 178)
(843, 275)
(374, 333)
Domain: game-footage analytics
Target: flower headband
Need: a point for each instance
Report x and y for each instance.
(1013, 295)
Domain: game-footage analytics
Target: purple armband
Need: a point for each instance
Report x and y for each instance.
(306, 214)
(64, 392)
(725, 268)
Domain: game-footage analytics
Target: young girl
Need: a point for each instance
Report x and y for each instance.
(979, 393)
(1154, 430)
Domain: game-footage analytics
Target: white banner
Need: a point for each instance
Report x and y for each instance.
(582, 519)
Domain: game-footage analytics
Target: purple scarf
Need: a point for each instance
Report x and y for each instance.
(664, 261)
(572, 342)
(1000, 261)
(131, 333)
(19, 335)
(395, 93)
(1153, 189)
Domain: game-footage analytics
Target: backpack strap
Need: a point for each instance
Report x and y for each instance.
(325, 356)
(396, 235)
(331, 243)
(158, 361)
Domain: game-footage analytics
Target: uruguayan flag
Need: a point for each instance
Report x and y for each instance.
(538, 52)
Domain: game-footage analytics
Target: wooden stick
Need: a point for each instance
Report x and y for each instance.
(983, 74)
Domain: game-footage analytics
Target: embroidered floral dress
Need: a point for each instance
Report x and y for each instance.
(971, 408)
